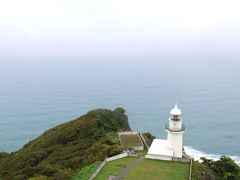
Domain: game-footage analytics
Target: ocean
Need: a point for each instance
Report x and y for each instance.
(39, 93)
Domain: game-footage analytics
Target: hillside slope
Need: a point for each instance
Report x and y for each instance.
(58, 152)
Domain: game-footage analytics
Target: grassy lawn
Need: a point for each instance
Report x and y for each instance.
(128, 141)
(86, 172)
(155, 170)
(114, 167)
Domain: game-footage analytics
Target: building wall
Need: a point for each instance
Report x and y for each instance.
(138, 148)
(175, 143)
(158, 157)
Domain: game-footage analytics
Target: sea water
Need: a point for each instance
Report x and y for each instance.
(39, 93)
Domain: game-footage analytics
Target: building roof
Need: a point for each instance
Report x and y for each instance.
(160, 147)
(176, 111)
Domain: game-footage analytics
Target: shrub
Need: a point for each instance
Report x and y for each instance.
(224, 168)
(39, 178)
(67, 163)
(20, 177)
(3, 154)
(64, 174)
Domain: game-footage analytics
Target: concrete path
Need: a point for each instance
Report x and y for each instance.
(118, 177)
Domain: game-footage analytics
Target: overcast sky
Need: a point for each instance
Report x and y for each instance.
(52, 28)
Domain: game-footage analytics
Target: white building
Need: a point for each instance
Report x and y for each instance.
(172, 147)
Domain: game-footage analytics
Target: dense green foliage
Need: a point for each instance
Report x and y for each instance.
(224, 168)
(86, 172)
(201, 172)
(58, 152)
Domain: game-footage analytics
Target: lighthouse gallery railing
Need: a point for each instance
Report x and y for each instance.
(175, 130)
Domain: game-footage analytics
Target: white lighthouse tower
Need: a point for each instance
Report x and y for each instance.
(175, 131)
(172, 147)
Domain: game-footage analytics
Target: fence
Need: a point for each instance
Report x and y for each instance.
(190, 173)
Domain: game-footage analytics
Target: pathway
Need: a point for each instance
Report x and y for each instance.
(118, 177)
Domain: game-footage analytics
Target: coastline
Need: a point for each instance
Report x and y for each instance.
(196, 154)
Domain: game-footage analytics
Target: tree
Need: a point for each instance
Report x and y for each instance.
(225, 168)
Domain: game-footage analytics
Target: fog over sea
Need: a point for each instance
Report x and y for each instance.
(38, 94)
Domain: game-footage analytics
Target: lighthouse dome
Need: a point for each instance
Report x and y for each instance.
(176, 111)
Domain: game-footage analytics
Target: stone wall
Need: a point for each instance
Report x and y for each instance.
(98, 170)
(158, 157)
(181, 159)
(138, 148)
(143, 140)
(119, 156)
(127, 133)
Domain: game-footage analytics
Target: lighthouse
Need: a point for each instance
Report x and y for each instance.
(175, 130)
(172, 147)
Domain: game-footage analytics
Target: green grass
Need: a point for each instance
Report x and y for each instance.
(128, 141)
(86, 172)
(114, 167)
(155, 170)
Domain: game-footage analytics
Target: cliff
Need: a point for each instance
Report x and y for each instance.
(58, 152)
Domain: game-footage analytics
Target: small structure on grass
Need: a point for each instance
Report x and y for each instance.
(172, 147)
(130, 141)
